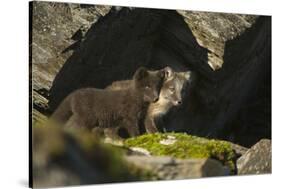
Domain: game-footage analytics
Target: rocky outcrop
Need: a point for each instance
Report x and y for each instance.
(257, 160)
(54, 28)
(74, 157)
(212, 30)
(232, 103)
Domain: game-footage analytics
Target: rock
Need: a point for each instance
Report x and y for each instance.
(141, 151)
(75, 157)
(167, 168)
(212, 30)
(184, 147)
(114, 142)
(38, 117)
(54, 26)
(239, 150)
(257, 160)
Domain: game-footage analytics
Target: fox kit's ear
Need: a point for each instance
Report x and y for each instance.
(140, 73)
(168, 72)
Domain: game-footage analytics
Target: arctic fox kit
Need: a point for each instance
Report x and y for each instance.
(99, 108)
(170, 95)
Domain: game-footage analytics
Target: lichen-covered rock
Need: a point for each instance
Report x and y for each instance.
(167, 168)
(257, 160)
(54, 28)
(75, 157)
(185, 146)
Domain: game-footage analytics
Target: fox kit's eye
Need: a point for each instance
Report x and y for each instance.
(172, 89)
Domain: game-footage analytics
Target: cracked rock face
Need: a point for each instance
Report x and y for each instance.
(53, 28)
(257, 160)
(212, 30)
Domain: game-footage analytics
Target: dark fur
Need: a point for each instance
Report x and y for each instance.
(170, 96)
(91, 107)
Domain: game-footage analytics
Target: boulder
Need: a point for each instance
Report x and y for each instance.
(168, 168)
(257, 160)
(76, 157)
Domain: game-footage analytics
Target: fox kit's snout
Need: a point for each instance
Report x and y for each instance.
(177, 102)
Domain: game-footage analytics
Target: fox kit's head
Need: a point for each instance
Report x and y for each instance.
(149, 83)
(174, 86)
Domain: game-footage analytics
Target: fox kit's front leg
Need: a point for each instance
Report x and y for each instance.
(132, 128)
(150, 125)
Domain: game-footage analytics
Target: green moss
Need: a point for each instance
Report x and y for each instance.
(185, 146)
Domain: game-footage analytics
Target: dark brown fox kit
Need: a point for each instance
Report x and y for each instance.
(98, 108)
(170, 96)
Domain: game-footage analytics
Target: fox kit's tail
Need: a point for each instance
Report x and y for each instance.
(63, 112)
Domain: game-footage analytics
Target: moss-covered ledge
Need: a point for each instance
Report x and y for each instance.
(183, 146)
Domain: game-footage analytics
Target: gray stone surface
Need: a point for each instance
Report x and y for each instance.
(212, 30)
(53, 28)
(239, 150)
(166, 168)
(257, 160)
